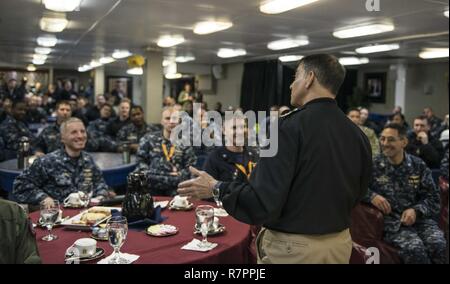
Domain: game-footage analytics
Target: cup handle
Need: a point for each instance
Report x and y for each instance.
(66, 200)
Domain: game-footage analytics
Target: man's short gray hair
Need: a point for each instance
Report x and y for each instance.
(63, 127)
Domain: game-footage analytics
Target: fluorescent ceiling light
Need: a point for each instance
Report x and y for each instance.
(62, 5)
(43, 50)
(169, 41)
(84, 68)
(31, 68)
(363, 30)
(377, 48)
(184, 59)
(208, 27)
(41, 57)
(119, 54)
(38, 62)
(173, 76)
(290, 58)
(135, 71)
(288, 43)
(353, 60)
(95, 64)
(228, 52)
(280, 6)
(430, 53)
(106, 60)
(53, 25)
(47, 41)
(446, 13)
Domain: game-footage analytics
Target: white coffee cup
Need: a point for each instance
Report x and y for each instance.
(86, 247)
(180, 201)
(73, 199)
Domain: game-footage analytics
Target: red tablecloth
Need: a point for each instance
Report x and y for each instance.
(232, 244)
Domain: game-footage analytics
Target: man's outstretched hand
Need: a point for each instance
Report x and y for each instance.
(199, 187)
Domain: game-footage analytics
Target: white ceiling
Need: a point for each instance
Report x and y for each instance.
(101, 26)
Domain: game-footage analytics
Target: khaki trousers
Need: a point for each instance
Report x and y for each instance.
(282, 248)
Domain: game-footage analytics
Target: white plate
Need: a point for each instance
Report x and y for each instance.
(70, 225)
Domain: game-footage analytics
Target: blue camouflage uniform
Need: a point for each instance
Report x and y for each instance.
(133, 134)
(409, 185)
(444, 165)
(50, 140)
(97, 131)
(152, 159)
(11, 130)
(57, 175)
(2, 150)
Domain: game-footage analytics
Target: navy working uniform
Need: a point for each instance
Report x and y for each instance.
(409, 185)
(158, 157)
(97, 131)
(50, 140)
(130, 133)
(11, 130)
(56, 175)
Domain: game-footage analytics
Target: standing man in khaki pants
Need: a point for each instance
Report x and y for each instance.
(303, 196)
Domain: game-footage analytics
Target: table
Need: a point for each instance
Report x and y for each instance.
(232, 246)
(114, 171)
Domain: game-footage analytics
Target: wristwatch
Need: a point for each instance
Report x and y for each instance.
(216, 191)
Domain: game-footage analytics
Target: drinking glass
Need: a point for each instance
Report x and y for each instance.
(205, 218)
(87, 189)
(117, 228)
(49, 215)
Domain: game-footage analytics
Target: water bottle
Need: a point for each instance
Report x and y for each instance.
(126, 153)
(22, 153)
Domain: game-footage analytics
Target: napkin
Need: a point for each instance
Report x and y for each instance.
(195, 245)
(129, 257)
(220, 212)
(144, 223)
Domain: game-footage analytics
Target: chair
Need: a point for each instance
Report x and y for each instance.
(367, 225)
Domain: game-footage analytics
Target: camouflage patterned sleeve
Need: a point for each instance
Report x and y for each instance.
(2, 149)
(92, 144)
(189, 159)
(444, 165)
(8, 138)
(99, 185)
(143, 156)
(122, 134)
(162, 181)
(428, 195)
(40, 143)
(28, 186)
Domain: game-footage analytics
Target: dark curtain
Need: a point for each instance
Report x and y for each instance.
(267, 83)
(288, 79)
(347, 89)
(261, 85)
